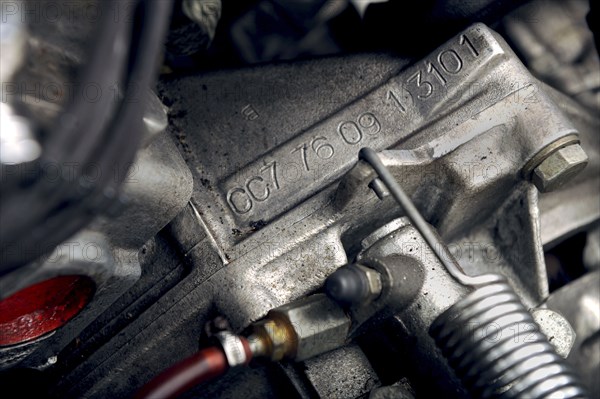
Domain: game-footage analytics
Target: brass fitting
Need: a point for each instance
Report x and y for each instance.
(274, 338)
(300, 330)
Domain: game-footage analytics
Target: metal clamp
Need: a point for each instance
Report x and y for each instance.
(234, 348)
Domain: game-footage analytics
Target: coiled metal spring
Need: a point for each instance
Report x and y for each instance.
(489, 337)
(498, 350)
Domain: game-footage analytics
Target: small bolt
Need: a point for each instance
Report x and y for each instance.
(379, 188)
(559, 167)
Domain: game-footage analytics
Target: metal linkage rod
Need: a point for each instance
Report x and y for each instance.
(433, 240)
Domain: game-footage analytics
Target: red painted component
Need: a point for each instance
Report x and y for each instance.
(43, 307)
(205, 365)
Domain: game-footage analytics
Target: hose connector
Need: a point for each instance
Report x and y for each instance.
(300, 330)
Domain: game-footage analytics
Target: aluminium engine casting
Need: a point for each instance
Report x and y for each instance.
(520, 364)
(248, 201)
(296, 252)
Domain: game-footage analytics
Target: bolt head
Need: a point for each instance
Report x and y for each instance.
(559, 168)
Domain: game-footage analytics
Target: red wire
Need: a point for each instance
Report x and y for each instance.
(203, 366)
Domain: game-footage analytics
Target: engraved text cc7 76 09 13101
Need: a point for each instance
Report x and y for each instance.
(423, 81)
(258, 188)
(298, 164)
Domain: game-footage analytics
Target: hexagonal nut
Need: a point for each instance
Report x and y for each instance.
(374, 281)
(275, 338)
(558, 330)
(559, 167)
(319, 323)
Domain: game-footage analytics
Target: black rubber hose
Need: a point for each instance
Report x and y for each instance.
(49, 215)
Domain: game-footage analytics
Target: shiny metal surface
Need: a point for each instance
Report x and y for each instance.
(560, 168)
(559, 331)
(418, 290)
(497, 348)
(579, 303)
(247, 195)
(248, 263)
(317, 323)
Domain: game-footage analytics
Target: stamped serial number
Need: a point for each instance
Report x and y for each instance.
(307, 154)
(300, 167)
(423, 81)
